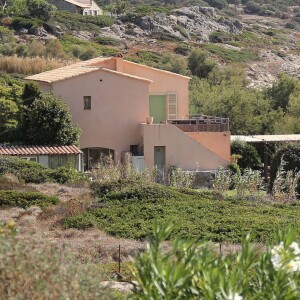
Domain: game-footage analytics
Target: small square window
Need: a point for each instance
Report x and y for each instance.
(87, 102)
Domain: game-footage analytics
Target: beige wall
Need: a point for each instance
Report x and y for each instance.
(163, 82)
(218, 142)
(181, 150)
(119, 104)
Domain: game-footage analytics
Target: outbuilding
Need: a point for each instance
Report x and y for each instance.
(49, 156)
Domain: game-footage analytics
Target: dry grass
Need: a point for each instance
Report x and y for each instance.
(29, 65)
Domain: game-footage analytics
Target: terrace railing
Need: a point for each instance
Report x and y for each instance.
(202, 123)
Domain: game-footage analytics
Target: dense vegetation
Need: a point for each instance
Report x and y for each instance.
(29, 116)
(191, 270)
(130, 212)
(25, 199)
(32, 172)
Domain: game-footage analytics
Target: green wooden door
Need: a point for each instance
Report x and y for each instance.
(157, 108)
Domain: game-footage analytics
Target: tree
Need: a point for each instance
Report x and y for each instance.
(199, 64)
(250, 157)
(41, 9)
(8, 115)
(50, 122)
(282, 90)
(30, 93)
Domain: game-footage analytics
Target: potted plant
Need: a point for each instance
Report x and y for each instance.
(149, 120)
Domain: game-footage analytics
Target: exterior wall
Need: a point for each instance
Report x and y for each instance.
(218, 142)
(43, 160)
(94, 10)
(107, 64)
(119, 105)
(56, 161)
(181, 150)
(63, 5)
(163, 82)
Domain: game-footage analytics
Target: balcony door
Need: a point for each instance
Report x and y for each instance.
(157, 108)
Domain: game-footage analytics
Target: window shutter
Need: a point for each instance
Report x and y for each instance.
(172, 106)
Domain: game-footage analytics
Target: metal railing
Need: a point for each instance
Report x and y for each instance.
(202, 123)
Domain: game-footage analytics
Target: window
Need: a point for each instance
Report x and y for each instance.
(30, 158)
(87, 102)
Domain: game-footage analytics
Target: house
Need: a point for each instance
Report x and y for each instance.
(83, 7)
(110, 98)
(48, 156)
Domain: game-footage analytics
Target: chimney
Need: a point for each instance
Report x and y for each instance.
(119, 62)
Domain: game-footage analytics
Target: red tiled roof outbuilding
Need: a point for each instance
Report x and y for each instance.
(38, 150)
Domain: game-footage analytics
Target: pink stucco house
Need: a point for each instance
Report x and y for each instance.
(110, 98)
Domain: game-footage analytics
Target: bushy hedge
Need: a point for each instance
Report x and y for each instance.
(25, 199)
(25, 170)
(32, 172)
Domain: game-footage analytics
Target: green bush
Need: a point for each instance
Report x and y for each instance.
(129, 212)
(25, 199)
(183, 50)
(243, 55)
(101, 189)
(25, 170)
(79, 22)
(106, 41)
(195, 271)
(21, 22)
(32, 172)
(67, 174)
(289, 156)
(250, 157)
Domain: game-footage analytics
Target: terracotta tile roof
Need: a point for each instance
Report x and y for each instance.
(77, 69)
(38, 150)
(80, 4)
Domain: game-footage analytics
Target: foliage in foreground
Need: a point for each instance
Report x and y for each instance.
(130, 212)
(192, 270)
(36, 269)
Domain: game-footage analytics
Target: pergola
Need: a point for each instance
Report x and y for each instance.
(265, 140)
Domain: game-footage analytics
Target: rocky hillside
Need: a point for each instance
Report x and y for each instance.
(264, 45)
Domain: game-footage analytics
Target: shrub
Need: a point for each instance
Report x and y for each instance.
(130, 212)
(34, 268)
(250, 157)
(25, 170)
(67, 174)
(199, 64)
(25, 199)
(41, 9)
(106, 41)
(290, 156)
(11, 182)
(183, 50)
(79, 22)
(200, 273)
(21, 22)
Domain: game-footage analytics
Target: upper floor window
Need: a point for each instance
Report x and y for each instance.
(87, 102)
